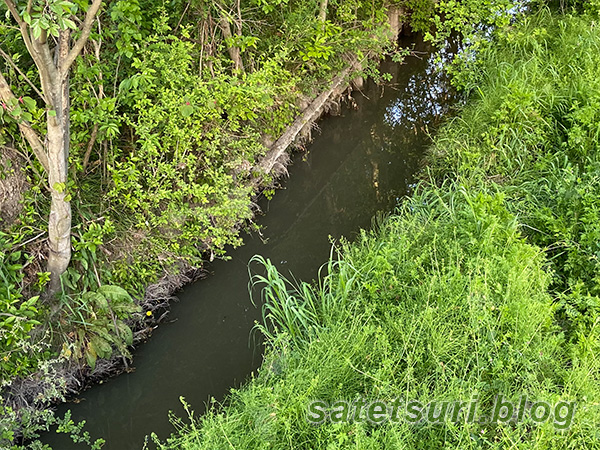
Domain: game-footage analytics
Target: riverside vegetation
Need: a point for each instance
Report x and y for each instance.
(484, 283)
(132, 154)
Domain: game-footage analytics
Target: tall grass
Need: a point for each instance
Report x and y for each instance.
(297, 311)
(533, 134)
(485, 282)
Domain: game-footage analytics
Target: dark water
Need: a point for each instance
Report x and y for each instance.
(361, 163)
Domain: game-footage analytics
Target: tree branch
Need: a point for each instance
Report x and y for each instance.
(46, 67)
(323, 10)
(25, 77)
(13, 10)
(86, 29)
(38, 49)
(29, 133)
(88, 152)
(12, 7)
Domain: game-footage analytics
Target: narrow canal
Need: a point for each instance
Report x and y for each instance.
(361, 163)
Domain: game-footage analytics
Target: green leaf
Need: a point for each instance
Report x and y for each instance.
(101, 346)
(125, 333)
(29, 102)
(36, 30)
(59, 187)
(90, 355)
(16, 111)
(114, 293)
(186, 110)
(70, 24)
(93, 298)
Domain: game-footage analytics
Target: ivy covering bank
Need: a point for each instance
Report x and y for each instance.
(132, 152)
(483, 284)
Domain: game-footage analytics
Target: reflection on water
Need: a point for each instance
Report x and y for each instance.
(362, 163)
(427, 96)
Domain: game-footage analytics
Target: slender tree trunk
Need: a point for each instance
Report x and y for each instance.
(58, 141)
(234, 52)
(59, 223)
(88, 153)
(90, 147)
(323, 10)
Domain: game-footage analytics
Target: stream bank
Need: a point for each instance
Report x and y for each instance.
(360, 165)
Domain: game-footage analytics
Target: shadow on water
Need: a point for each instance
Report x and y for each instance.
(361, 163)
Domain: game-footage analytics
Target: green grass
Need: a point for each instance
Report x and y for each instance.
(532, 133)
(485, 282)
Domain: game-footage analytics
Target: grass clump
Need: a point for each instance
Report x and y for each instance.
(484, 283)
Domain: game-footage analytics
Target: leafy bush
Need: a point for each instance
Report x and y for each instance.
(96, 324)
(196, 146)
(18, 317)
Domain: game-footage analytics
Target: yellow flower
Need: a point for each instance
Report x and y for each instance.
(149, 313)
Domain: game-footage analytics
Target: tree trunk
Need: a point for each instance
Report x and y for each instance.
(58, 140)
(234, 52)
(323, 10)
(59, 222)
(395, 15)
